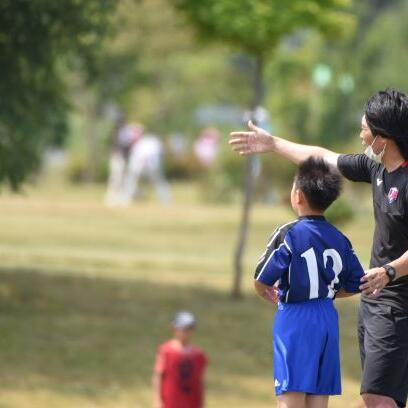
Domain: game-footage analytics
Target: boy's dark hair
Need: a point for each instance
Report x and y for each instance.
(386, 113)
(319, 182)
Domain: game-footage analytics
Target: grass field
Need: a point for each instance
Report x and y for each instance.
(86, 294)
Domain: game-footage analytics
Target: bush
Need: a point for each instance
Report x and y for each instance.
(78, 170)
(340, 212)
(224, 181)
(182, 167)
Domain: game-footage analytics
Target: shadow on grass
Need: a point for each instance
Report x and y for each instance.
(92, 336)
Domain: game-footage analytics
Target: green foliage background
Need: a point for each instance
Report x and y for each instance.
(63, 63)
(37, 41)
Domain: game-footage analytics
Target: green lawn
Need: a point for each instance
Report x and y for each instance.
(86, 294)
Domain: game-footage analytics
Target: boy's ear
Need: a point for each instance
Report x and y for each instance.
(299, 197)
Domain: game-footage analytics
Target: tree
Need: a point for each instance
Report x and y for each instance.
(359, 64)
(256, 27)
(37, 40)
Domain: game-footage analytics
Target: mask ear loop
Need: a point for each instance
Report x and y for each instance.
(372, 143)
(383, 150)
(381, 154)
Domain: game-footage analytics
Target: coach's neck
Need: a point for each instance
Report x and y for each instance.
(392, 158)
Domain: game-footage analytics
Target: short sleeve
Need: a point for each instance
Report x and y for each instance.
(160, 363)
(354, 272)
(204, 359)
(356, 167)
(275, 261)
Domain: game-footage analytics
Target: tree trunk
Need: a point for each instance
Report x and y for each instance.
(248, 186)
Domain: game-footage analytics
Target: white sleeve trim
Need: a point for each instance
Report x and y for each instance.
(267, 261)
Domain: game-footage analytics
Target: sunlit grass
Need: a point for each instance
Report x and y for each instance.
(86, 294)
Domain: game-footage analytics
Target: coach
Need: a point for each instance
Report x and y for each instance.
(383, 312)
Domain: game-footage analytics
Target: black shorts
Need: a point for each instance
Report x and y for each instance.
(383, 340)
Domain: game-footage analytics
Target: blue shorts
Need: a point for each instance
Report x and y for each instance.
(306, 348)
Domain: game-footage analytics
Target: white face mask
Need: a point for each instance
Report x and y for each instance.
(369, 152)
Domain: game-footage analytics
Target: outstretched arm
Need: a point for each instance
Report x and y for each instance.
(258, 140)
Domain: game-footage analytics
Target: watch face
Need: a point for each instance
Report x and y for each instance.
(391, 272)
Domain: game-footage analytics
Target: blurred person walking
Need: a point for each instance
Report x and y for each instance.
(125, 136)
(178, 377)
(145, 161)
(206, 147)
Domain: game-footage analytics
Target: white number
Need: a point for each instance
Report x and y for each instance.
(313, 271)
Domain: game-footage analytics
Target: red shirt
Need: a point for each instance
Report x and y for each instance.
(182, 371)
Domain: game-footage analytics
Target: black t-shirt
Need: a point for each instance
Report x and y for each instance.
(390, 201)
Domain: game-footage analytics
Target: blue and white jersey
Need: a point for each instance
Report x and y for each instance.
(311, 259)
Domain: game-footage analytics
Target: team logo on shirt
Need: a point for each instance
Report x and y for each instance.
(392, 194)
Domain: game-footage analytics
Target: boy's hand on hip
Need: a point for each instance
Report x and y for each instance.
(374, 281)
(272, 295)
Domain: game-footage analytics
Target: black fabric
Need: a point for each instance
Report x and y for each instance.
(390, 201)
(312, 217)
(383, 341)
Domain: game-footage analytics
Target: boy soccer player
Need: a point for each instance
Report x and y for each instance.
(311, 262)
(180, 367)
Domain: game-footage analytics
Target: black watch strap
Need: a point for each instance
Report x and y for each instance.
(390, 271)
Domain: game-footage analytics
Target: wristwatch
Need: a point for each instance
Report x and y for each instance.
(390, 271)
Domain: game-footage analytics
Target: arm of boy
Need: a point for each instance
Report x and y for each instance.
(157, 402)
(157, 379)
(273, 264)
(269, 293)
(353, 275)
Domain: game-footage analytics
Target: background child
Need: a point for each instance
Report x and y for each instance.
(312, 261)
(178, 378)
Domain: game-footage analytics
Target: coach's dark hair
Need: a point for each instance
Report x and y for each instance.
(320, 182)
(386, 113)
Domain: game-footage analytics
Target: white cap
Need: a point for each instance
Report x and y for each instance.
(184, 320)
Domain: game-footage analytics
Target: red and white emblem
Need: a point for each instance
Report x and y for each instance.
(392, 194)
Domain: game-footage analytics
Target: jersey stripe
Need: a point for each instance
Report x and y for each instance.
(278, 230)
(287, 246)
(269, 258)
(274, 236)
(289, 273)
